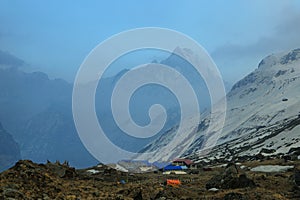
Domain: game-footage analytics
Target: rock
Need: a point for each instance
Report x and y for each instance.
(297, 177)
(214, 182)
(294, 150)
(62, 170)
(231, 170)
(138, 196)
(230, 179)
(24, 165)
(160, 195)
(267, 151)
(71, 197)
(234, 196)
(244, 181)
(119, 197)
(46, 197)
(259, 156)
(96, 194)
(162, 198)
(206, 169)
(290, 57)
(12, 193)
(286, 158)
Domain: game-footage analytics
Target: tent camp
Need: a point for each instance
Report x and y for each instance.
(172, 169)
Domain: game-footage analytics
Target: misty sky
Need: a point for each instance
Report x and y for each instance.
(55, 36)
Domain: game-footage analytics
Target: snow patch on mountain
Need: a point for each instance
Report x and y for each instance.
(263, 110)
(263, 114)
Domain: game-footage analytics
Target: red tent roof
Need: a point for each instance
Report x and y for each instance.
(186, 161)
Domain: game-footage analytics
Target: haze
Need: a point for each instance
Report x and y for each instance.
(55, 37)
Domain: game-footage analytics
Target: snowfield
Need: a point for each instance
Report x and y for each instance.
(271, 168)
(263, 115)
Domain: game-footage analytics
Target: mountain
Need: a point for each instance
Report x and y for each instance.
(51, 135)
(263, 112)
(146, 96)
(9, 150)
(9, 60)
(262, 116)
(23, 95)
(37, 112)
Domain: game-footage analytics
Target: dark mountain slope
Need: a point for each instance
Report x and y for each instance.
(9, 150)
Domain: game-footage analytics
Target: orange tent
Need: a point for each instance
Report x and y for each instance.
(173, 182)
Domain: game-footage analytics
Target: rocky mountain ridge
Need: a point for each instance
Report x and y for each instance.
(262, 113)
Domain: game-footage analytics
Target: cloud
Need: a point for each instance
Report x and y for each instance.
(285, 36)
(290, 23)
(7, 59)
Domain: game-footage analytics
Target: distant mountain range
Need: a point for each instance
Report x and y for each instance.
(263, 113)
(37, 111)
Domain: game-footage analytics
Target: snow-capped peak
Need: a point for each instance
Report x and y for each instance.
(263, 112)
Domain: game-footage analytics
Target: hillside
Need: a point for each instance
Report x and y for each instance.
(28, 180)
(263, 115)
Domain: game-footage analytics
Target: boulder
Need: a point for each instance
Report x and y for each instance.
(61, 170)
(235, 196)
(230, 179)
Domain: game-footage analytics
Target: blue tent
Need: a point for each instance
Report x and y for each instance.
(172, 167)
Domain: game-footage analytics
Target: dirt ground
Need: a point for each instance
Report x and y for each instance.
(27, 180)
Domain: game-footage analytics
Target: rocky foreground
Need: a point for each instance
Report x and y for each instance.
(269, 179)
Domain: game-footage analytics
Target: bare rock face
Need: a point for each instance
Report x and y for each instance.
(230, 179)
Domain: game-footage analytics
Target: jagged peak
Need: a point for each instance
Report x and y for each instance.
(274, 65)
(280, 58)
(290, 57)
(268, 61)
